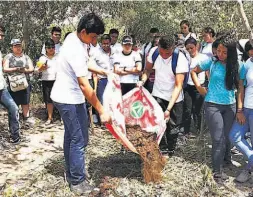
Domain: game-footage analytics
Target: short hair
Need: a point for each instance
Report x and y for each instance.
(57, 29)
(113, 31)
(154, 30)
(248, 47)
(105, 37)
(2, 28)
(209, 30)
(49, 42)
(91, 23)
(191, 40)
(167, 41)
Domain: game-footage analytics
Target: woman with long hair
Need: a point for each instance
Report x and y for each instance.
(220, 100)
(186, 30)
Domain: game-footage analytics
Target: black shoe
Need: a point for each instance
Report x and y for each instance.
(15, 141)
(171, 153)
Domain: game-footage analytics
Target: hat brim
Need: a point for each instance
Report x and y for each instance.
(19, 43)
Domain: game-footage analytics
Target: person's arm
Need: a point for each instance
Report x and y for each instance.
(135, 70)
(240, 100)
(6, 67)
(29, 68)
(90, 95)
(120, 71)
(195, 79)
(175, 94)
(95, 81)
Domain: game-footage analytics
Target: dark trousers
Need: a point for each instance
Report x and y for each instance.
(75, 139)
(220, 119)
(193, 108)
(127, 87)
(174, 125)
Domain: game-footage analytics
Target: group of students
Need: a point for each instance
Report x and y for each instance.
(183, 75)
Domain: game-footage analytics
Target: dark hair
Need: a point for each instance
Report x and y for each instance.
(216, 44)
(49, 42)
(191, 40)
(248, 46)
(244, 51)
(66, 35)
(2, 28)
(91, 23)
(167, 41)
(186, 22)
(154, 30)
(57, 29)
(114, 31)
(209, 30)
(154, 39)
(232, 65)
(105, 37)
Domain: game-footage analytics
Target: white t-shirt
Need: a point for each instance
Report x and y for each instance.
(206, 48)
(57, 49)
(103, 60)
(164, 77)
(116, 48)
(195, 62)
(50, 73)
(72, 63)
(145, 50)
(193, 35)
(128, 61)
(248, 98)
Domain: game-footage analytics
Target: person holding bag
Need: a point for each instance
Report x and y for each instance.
(17, 65)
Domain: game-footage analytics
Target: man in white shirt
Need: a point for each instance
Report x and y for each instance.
(55, 36)
(115, 46)
(167, 88)
(70, 89)
(7, 101)
(147, 46)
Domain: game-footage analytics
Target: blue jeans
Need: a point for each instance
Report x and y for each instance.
(101, 88)
(75, 139)
(237, 136)
(13, 115)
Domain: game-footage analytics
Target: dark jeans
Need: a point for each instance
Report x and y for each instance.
(149, 85)
(75, 139)
(193, 107)
(13, 115)
(127, 87)
(220, 119)
(101, 88)
(174, 126)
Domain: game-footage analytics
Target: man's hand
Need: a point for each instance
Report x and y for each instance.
(21, 69)
(140, 84)
(43, 67)
(202, 90)
(240, 118)
(167, 115)
(105, 118)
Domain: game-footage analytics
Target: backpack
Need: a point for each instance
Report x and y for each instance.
(174, 61)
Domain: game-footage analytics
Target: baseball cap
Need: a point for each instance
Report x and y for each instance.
(15, 41)
(127, 40)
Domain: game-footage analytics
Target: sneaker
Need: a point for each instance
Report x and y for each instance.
(29, 122)
(48, 122)
(244, 176)
(15, 141)
(82, 188)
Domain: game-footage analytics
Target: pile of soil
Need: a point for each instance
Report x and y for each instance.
(146, 145)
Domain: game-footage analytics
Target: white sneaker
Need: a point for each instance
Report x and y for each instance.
(244, 176)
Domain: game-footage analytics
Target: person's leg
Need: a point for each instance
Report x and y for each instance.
(228, 118)
(175, 126)
(215, 124)
(25, 110)
(50, 109)
(187, 110)
(101, 88)
(13, 114)
(198, 109)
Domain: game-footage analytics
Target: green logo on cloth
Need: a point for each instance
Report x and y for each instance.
(137, 110)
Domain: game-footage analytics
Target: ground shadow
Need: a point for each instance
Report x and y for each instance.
(56, 166)
(119, 165)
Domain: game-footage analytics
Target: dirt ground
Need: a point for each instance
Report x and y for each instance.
(35, 168)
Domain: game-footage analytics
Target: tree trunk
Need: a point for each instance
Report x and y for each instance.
(245, 20)
(24, 26)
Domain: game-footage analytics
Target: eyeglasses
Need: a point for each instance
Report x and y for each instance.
(59, 35)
